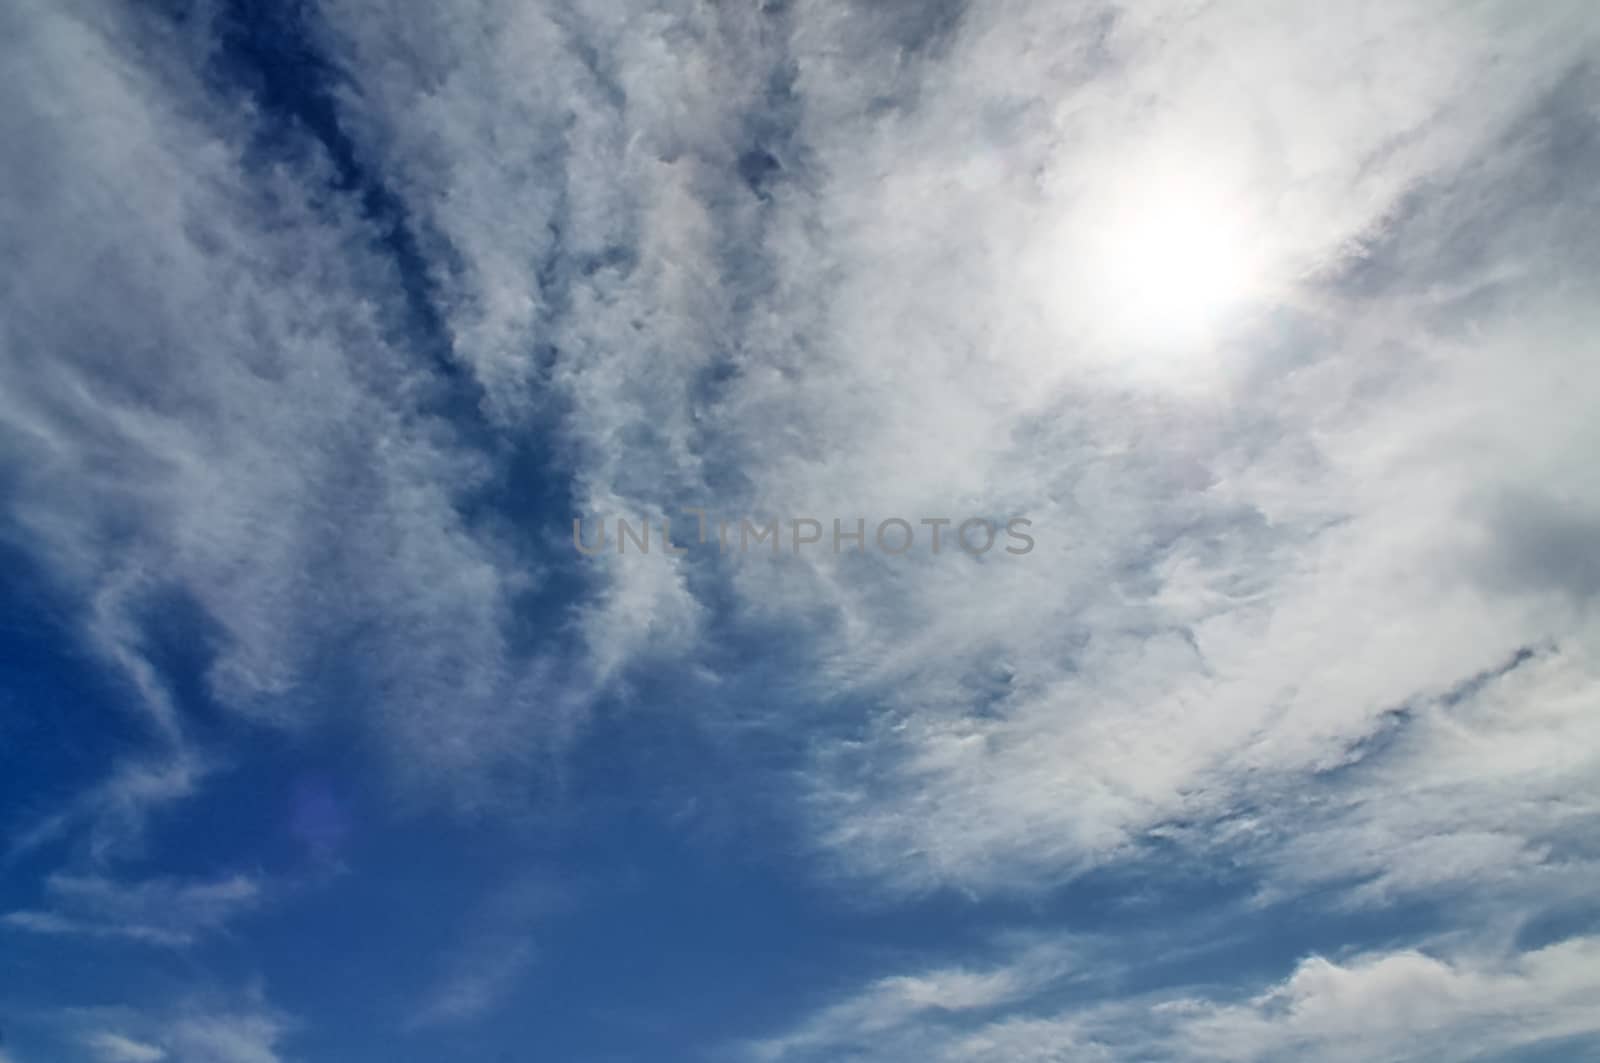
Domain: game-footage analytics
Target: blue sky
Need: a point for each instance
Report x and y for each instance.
(321, 323)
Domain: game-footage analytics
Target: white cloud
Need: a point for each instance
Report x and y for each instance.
(226, 1038)
(206, 415)
(117, 807)
(497, 948)
(888, 1007)
(1238, 526)
(1387, 1007)
(1254, 545)
(1277, 536)
(1274, 543)
(212, 1026)
(167, 912)
(114, 1048)
(479, 980)
(1406, 1005)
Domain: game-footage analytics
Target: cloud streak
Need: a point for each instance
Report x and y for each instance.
(1388, 1006)
(163, 912)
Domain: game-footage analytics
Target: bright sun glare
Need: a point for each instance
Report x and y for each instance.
(1169, 264)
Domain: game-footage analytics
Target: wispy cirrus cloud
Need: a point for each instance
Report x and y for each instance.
(228, 1038)
(211, 1026)
(896, 1005)
(497, 949)
(115, 1048)
(1394, 1005)
(1236, 538)
(260, 452)
(478, 980)
(1237, 527)
(166, 912)
(1274, 322)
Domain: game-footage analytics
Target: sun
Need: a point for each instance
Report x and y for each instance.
(1148, 273)
(1170, 262)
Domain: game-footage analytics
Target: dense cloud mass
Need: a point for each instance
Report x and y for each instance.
(322, 322)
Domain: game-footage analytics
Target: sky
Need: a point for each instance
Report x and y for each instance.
(1215, 676)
